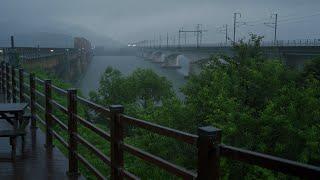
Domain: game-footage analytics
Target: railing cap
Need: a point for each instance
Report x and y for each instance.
(72, 90)
(47, 80)
(116, 108)
(208, 131)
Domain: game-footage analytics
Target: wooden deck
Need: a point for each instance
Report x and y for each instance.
(36, 163)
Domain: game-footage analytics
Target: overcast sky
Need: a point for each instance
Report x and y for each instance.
(134, 20)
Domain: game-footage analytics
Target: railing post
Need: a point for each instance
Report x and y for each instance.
(3, 75)
(116, 132)
(33, 100)
(21, 85)
(8, 83)
(72, 130)
(48, 97)
(208, 153)
(13, 84)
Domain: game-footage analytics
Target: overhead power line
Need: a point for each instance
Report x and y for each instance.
(302, 17)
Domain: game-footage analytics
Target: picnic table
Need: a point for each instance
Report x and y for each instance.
(13, 113)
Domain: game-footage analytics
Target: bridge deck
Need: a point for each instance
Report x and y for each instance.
(36, 163)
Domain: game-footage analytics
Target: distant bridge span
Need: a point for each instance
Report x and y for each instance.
(173, 57)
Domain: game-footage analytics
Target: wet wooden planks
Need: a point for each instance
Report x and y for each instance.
(36, 163)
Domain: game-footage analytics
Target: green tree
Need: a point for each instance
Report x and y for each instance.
(141, 87)
(260, 105)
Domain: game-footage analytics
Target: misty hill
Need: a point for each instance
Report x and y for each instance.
(54, 35)
(43, 39)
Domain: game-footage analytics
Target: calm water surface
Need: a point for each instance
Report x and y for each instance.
(126, 64)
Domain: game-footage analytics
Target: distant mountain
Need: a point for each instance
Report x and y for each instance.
(43, 39)
(53, 35)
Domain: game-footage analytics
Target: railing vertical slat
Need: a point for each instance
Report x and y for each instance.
(13, 84)
(72, 131)
(3, 77)
(21, 87)
(208, 153)
(48, 108)
(32, 100)
(2, 74)
(116, 132)
(8, 83)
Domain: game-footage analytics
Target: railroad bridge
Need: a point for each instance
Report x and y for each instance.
(65, 62)
(186, 57)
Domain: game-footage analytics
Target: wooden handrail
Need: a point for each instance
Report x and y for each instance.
(59, 90)
(270, 162)
(90, 167)
(60, 139)
(59, 106)
(59, 122)
(92, 127)
(126, 174)
(94, 106)
(208, 140)
(38, 80)
(170, 167)
(179, 135)
(95, 150)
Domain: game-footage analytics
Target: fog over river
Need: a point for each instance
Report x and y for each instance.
(127, 64)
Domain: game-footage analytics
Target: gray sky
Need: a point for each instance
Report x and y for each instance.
(134, 20)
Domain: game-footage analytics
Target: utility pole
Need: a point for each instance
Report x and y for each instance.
(185, 38)
(179, 40)
(167, 40)
(273, 25)
(160, 41)
(12, 59)
(12, 41)
(226, 28)
(198, 32)
(235, 23)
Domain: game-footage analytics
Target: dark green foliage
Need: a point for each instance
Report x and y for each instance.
(142, 87)
(260, 105)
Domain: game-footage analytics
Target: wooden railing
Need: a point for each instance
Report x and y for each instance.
(208, 140)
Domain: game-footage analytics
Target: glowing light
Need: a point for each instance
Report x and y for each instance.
(51, 50)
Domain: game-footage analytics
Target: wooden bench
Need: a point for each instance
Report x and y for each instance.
(14, 133)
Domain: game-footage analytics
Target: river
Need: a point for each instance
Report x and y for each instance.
(126, 65)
